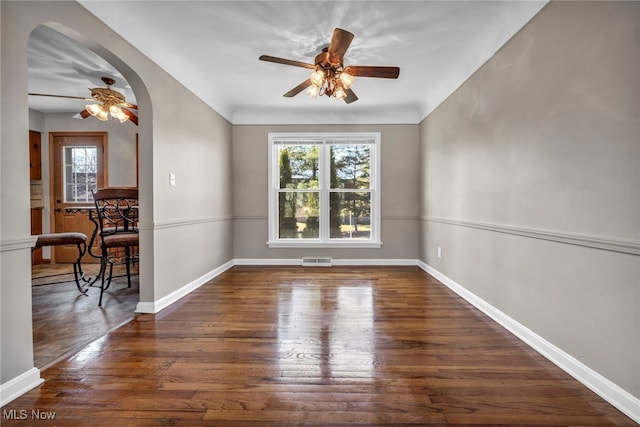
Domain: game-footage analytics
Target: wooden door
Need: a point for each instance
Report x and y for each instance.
(36, 228)
(78, 168)
(35, 156)
(35, 174)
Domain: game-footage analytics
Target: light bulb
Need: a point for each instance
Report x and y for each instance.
(98, 111)
(340, 93)
(93, 109)
(317, 78)
(347, 80)
(117, 113)
(102, 114)
(313, 91)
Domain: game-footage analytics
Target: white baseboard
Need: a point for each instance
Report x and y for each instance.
(19, 385)
(267, 261)
(164, 302)
(156, 306)
(609, 391)
(373, 262)
(335, 261)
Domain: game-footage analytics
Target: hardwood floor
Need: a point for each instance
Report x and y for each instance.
(271, 346)
(65, 321)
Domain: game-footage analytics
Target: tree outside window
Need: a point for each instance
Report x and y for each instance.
(80, 173)
(331, 178)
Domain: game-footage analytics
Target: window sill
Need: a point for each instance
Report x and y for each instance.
(316, 244)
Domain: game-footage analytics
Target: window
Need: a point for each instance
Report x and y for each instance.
(324, 190)
(80, 173)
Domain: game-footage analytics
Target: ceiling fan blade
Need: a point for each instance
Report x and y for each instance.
(286, 62)
(82, 114)
(132, 117)
(60, 96)
(126, 104)
(296, 90)
(340, 42)
(351, 96)
(372, 71)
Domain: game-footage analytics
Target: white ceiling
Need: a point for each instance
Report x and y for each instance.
(212, 48)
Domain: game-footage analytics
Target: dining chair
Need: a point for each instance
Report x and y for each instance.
(67, 238)
(117, 209)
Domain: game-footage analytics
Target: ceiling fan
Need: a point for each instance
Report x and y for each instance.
(330, 77)
(108, 102)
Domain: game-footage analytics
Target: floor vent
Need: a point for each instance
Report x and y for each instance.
(316, 262)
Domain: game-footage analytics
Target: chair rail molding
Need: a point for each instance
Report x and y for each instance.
(627, 246)
(174, 223)
(18, 244)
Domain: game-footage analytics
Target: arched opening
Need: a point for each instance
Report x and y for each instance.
(63, 58)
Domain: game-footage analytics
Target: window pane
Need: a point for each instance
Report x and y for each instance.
(350, 215)
(80, 173)
(350, 166)
(298, 215)
(298, 166)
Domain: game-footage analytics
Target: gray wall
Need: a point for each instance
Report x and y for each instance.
(399, 193)
(186, 230)
(121, 145)
(121, 150)
(530, 183)
(121, 153)
(539, 146)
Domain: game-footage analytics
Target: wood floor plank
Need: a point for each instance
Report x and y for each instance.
(275, 346)
(64, 321)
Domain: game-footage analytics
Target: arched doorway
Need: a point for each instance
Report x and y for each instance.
(85, 65)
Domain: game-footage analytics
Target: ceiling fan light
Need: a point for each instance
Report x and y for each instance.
(340, 93)
(313, 91)
(102, 115)
(93, 109)
(117, 113)
(346, 79)
(98, 111)
(317, 78)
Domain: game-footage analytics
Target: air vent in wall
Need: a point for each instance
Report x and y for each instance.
(316, 262)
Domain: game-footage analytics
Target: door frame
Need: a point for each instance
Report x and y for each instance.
(52, 171)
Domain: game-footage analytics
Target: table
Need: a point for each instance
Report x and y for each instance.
(90, 210)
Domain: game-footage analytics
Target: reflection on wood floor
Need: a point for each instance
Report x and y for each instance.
(271, 346)
(64, 321)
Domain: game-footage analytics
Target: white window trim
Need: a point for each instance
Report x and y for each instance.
(278, 138)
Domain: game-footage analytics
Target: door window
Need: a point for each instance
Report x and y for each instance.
(80, 173)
